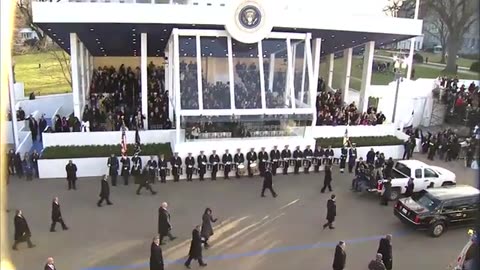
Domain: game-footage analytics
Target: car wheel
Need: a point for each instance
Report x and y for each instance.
(437, 229)
(394, 194)
(448, 183)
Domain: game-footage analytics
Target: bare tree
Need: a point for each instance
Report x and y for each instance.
(25, 9)
(64, 61)
(400, 8)
(439, 30)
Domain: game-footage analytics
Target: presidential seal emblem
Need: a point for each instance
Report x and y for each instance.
(250, 17)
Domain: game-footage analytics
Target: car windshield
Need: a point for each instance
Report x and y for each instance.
(403, 169)
(426, 200)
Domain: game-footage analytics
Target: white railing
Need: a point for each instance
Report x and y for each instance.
(25, 144)
(162, 2)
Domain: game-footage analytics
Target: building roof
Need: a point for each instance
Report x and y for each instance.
(452, 192)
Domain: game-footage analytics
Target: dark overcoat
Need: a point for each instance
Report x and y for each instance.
(340, 258)
(71, 171)
(385, 248)
(267, 180)
(164, 225)
(207, 229)
(104, 189)
(56, 213)
(331, 210)
(22, 231)
(156, 257)
(196, 245)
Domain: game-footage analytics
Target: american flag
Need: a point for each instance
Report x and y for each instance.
(123, 144)
(345, 137)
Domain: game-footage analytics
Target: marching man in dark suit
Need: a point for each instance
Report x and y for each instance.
(251, 158)
(331, 212)
(125, 169)
(286, 155)
(143, 182)
(274, 158)
(162, 169)
(318, 154)
(202, 165)
(156, 256)
(227, 161)
(22, 231)
(343, 158)
(176, 163)
(214, 160)
(57, 215)
(385, 248)
(327, 181)
(307, 153)
(340, 258)
(151, 167)
(50, 264)
(268, 184)
(352, 157)
(298, 156)
(104, 191)
(71, 175)
(195, 252)
(189, 163)
(262, 158)
(112, 164)
(238, 159)
(164, 226)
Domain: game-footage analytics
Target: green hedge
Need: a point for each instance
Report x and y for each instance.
(475, 66)
(59, 152)
(360, 141)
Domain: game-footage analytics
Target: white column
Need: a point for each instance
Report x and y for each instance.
(75, 74)
(11, 92)
(262, 75)
(89, 71)
(169, 77)
(313, 65)
(82, 76)
(271, 72)
(289, 88)
(366, 75)
(347, 57)
(317, 46)
(304, 70)
(231, 76)
(144, 77)
(176, 83)
(199, 72)
(331, 62)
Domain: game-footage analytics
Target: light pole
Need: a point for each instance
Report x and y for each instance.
(399, 66)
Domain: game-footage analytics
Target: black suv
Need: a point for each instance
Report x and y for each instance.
(437, 209)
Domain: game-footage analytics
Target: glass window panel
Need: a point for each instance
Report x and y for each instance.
(215, 73)
(246, 76)
(275, 64)
(299, 57)
(188, 73)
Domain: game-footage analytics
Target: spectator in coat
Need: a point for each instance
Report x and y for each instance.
(104, 192)
(207, 229)
(27, 167)
(33, 124)
(57, 215)
(50, 264)
(22, 231)
(42, 125)
(331, 212)
(156, 256)
(71, 170)
(370, 156)
(340, 257)
(34, 159)
(164, 226)
(195, 252)
(385, 248)
(377, 263)
(18, 165)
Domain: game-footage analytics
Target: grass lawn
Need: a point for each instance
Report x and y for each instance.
(432, 57)
(44, 80)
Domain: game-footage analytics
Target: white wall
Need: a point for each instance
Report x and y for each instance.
(353, 131)
(25, 144)
(107, 138)
(46, 104)
(9, 128)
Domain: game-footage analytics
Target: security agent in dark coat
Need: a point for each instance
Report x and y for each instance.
(385, 248)
(371, 156)
(152, 168)
(125, 169)
(262, 161)
(195, 252)
(274, 158)
(214, 159)
(156, 255)
(227, 162)
(409, 188)
(331, 212)
(189, 164)
(307, 153)
(327, 181)
(22, 231)
(389, 167)
(71, 175)
(268, 184)
(162, 169)
(238, 159)
(176, 163)
(318, 154)
(340, 258)
(387, 192)
(104, 191)
(352, 157)
(143, 182)
(57, 215)
(286, 154)
(298, 156)
(251, 158)
(164, 226)
(202, 165)
(113, 165)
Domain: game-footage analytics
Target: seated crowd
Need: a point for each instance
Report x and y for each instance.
(332, 111)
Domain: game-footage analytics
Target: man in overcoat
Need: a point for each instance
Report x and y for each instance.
(195, 252)
(71, 170)
(156, 256)
(22, 231)
(385, 248)
(268, 184)
(331, 212)
(327, 181)
(57, 215)
(340, 257)
(104, 192)
(164, 226)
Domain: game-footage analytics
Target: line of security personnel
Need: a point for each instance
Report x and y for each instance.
(249, 164)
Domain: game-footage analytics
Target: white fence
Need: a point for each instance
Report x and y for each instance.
(9, 127)
(46, 104)
(353, 131)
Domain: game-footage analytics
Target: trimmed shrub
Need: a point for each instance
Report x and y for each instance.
(418, 58)
(360, 141)
(67, 152)
(475, 66)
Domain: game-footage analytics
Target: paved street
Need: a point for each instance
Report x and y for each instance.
(252, 232)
